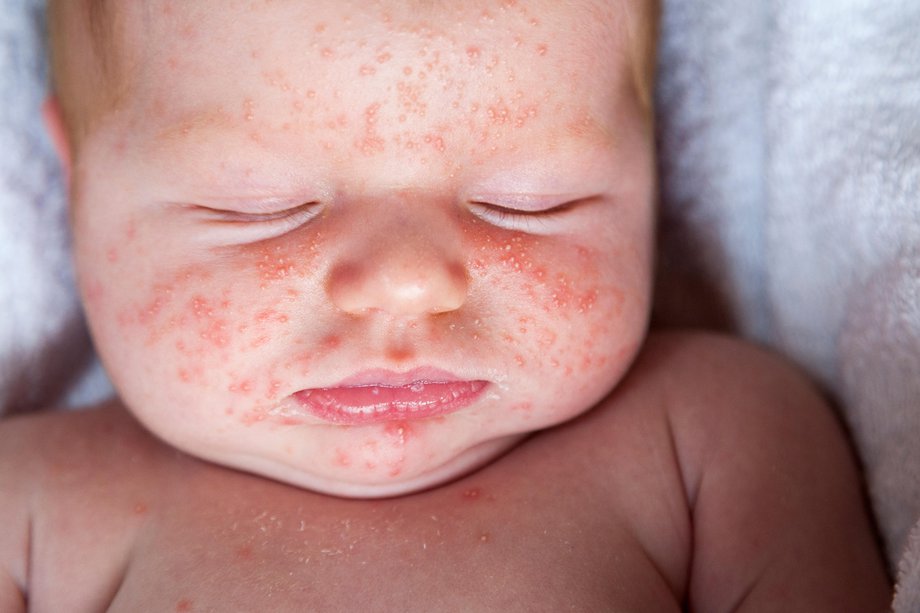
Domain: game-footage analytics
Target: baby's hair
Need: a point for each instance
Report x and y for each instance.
(75, 78)
(644, 35)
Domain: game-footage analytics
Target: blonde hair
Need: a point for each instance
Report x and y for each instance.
(87, 72)
(643, 22)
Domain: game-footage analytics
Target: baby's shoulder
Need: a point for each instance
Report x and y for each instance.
(769, 479)
(704, 387)
(725, 397)
(70, 445)
(711, 363)
(66, 479)
(55, 459)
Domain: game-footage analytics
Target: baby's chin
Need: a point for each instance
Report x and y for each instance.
(363, 485)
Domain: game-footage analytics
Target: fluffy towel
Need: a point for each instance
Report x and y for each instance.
(790, 147)
(790, 157)
(45, 353)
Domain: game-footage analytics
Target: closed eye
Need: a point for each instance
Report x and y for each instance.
(536, 221)
(240, 226)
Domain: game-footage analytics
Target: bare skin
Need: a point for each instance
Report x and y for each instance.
(713, 479)
(288, 200)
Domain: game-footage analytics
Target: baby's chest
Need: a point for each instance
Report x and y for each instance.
(475, 554)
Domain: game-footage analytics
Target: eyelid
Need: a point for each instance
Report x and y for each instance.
(266, 214)
(531, 220)
(238, 226)
(255, 205)
(525, 203)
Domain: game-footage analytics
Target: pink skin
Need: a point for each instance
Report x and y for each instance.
(397, 124)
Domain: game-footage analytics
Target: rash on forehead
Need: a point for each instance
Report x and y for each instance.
(611, 28)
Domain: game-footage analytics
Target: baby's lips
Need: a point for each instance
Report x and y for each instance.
(382, 402)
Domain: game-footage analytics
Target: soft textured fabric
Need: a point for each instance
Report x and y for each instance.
(790, 159)
(790, 148)
(45, 353)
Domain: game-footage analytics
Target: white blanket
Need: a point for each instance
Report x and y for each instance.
(45, 354)
(790, 148)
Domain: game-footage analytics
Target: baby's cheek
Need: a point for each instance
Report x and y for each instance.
(215, 327)
(562, 312)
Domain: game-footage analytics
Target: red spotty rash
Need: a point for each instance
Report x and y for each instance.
(371, 142)
(549, 291)
(212, 322)
(435, 72)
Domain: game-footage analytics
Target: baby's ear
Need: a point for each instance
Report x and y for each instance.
(54, 124)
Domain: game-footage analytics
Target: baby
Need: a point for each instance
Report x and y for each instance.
(372, 280)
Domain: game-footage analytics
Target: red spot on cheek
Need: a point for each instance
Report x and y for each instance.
(243, 388)
(211, 328)
(436, 141)
(271, 315)
(251, 418)
(289, 258)
(472, 493)
(274, 264)
(147, 314)
(274, 388)
(184, 605)
(140, 508)
(587, 301)
(192, 373)
(562, 294)
(331, 342)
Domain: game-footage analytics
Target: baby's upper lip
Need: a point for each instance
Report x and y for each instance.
(391, 378)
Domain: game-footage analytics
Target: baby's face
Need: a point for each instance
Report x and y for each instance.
(366, 247)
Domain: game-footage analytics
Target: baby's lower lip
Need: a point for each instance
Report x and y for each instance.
(369, 404)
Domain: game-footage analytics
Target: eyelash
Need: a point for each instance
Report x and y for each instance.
(533, 222)
(260, 226)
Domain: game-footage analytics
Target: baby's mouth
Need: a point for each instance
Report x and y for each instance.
(389, 397)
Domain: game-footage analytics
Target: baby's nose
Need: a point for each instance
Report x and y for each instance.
(403, 273)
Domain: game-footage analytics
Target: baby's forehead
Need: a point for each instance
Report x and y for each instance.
(599, 24)
(283, 43)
